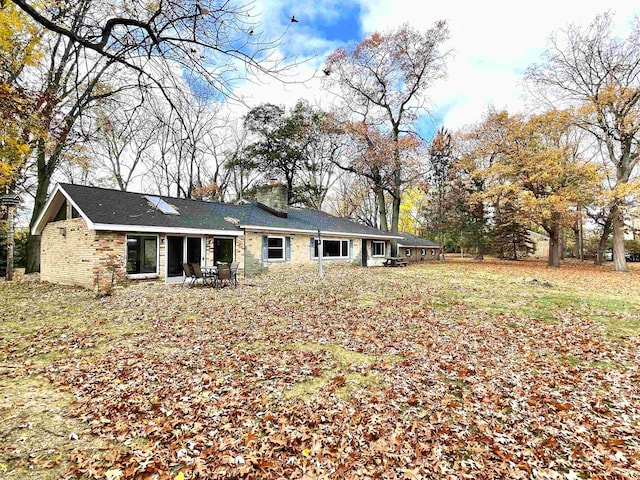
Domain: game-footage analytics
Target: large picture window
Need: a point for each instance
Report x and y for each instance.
(142, 254)
(275, 248)
(332, 248)
(377, 249)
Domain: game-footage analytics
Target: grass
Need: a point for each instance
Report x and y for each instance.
(350, 335)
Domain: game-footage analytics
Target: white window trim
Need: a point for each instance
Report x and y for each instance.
(384, 248)
(336, 240)
(223, 238)
(423, 252)
(284, 249)
(407, 252)
(142, 276)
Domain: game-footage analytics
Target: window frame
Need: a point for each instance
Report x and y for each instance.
(423, 252)
(407, 252)
(284, 248)
(373, 248)
(126, 255)
(342, 241)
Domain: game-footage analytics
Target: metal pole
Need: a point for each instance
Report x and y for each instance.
(320, 270)
(9, 274)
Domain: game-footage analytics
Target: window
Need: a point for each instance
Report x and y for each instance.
(332, 248)
(62, 212)
(433, 252)
(275, 248)
(407, 252)
(74, 212)
(377, 249)
(142, 254)
(423, 252)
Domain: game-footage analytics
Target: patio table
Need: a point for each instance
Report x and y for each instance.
(210, 272)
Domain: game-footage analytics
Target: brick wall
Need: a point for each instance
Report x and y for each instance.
(300, 253)
(377, 261)
(71, 254)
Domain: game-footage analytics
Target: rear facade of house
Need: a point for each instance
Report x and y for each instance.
(90, 235)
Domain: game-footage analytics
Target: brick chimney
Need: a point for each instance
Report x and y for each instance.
(273, 197)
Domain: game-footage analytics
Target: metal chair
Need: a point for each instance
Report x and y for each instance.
(234, 273)
(197, 272)
(224, 274)
(188, 273)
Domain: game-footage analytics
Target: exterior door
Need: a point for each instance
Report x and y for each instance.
(194, 250)
(175, 256)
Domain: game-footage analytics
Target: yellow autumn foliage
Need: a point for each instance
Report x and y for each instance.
(19, 48)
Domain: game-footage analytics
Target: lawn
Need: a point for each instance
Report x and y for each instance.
(453, 370)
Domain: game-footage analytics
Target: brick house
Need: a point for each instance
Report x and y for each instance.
(417, 249)
(88, 232)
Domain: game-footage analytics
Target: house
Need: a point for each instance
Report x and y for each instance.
(417, 249)
(540, 244)
(87, 233)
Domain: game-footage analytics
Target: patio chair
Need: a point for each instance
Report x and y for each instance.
(197, 272)
(234, 273)
(188, 273)
(224, 274)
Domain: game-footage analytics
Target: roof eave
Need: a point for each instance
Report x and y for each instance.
(164, 229)
(262, 228)
(404, 245)
(39, 225)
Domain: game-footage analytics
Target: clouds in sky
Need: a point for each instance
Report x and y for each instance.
(492, 43)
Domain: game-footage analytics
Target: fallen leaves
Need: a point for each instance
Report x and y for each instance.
(399, 387)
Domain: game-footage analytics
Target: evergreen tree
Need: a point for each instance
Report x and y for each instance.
(511, 236)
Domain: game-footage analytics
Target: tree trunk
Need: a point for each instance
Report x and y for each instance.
(580, 239)
(395, 220)
(479, 237)
(619, 262)
(382, 208)
(602, 243)
(44, 180)
(554, 246)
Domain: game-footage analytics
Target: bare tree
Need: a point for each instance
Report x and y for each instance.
(383, 80)
(122, 138)
(599, 74)
(353, 197)
(243, 173)
(207, 39)
(68, 82)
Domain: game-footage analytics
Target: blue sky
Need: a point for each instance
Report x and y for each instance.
(492, 43)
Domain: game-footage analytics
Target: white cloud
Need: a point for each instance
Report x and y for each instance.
(492, 43)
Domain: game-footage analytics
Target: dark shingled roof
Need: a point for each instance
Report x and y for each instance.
(409, 240)
(115, 207)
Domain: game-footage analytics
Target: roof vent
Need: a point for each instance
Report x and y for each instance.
(160, 204)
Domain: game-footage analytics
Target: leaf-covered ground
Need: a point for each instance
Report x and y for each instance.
(454, 370)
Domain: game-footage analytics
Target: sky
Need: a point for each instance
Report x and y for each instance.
(492, 43)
